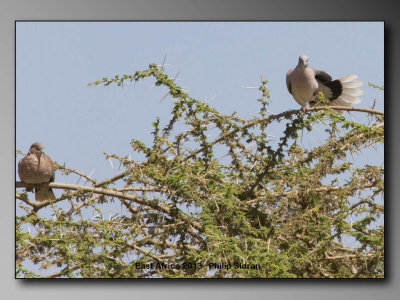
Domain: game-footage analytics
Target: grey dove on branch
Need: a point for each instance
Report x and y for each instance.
(305, 83)
(36, 168)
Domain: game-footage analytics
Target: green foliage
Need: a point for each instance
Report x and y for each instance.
(254, 206)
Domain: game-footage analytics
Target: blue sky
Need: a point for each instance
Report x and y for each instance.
(55, 61)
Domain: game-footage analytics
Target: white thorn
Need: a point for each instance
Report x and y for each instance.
(250, 87)
(165, 96)
(91, 173)
(163, 65)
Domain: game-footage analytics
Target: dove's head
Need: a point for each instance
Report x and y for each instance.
(37, 147)
(303, 60)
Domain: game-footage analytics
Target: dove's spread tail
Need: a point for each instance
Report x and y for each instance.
(350, 90)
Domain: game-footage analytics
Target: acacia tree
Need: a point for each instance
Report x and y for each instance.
(237, 204)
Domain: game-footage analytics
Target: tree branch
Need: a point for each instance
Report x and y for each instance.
(348, 108)
(63, 168)
(107, 192)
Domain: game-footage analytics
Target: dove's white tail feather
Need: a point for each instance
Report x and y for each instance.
(352, 84)
(350, 90)
(348, 78)
(340, 102)
(349, 99)
(353, 92)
